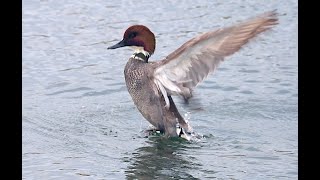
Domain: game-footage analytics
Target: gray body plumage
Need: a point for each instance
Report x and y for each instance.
(149, 100)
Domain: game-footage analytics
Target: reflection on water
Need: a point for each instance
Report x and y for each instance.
(161, 158)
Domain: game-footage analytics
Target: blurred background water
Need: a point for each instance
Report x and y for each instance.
(79, 121)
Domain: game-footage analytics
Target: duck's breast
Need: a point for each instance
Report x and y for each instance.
(143, 91)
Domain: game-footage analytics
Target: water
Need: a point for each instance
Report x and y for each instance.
(79, 121)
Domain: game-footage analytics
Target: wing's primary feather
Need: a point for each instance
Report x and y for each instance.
(186, 67)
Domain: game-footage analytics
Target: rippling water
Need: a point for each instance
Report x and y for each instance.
(80, 122)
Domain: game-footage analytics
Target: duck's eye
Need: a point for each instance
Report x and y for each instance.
(132, 35)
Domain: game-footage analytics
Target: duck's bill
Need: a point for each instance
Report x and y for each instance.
(118, 45)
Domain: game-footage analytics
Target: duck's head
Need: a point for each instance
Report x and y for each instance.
(140, 38)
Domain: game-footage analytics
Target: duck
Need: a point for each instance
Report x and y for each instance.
(152, 84)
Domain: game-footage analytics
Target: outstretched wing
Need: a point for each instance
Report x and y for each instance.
(190, 64)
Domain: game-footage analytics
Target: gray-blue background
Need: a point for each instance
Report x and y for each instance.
(79, 121)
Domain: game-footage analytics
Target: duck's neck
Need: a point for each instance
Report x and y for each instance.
(140, 54)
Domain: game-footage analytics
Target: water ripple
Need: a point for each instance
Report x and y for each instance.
(79, 121)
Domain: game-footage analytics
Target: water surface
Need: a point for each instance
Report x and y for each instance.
(79, 121)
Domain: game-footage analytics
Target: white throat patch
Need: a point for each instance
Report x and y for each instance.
(137, 50)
